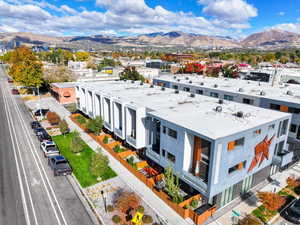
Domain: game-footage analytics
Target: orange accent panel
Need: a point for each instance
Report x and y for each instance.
(261, 153)
(284, 108)
(241, 166)
(231, 146)
(197, 153)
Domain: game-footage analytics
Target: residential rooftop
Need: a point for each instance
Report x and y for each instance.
(283, 92)
(196, 113)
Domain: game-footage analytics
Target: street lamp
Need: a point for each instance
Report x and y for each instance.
(104, 200)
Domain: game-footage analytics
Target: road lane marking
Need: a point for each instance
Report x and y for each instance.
(39, 163)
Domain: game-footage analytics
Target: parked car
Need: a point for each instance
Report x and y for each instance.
(44, 136)
(38, 130)
(59, 165)
(41, 112)
(15, 91)
(292, 213)
(35, 124)
(49, 148)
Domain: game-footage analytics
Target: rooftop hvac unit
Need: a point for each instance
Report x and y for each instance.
(132, 81)
(289, 93)
(192, 95)
(178, 80)
(141, 83)
(190, 81)
(262, 93)
(241, 90)
(240, 114)
(201, 83)
(124, 80)
(174, 77)
(221, 101)
(187, 78)
(151, 86)
(218, 109)
(176, 91)
(215, 86)
(163, 88)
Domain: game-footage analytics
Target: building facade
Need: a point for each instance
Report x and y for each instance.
(217, 148)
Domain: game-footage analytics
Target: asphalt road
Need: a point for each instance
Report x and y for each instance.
(29, 193)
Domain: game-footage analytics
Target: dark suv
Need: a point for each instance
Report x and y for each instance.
(292, 213)
(59, 165)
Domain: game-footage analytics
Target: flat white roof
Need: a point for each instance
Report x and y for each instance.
(238, 86)
(194, 113)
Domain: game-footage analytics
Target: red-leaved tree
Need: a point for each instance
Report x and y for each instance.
(271, 201)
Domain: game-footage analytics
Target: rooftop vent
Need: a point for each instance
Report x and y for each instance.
(176, 91)
(174, 77)
(192, 95)
(240, 114)
(241, 90)
(201, 83)
(163, 88)
(151, 86)
(262, 93)
(289, 93)
(286, 85)
(178, 80)
(142, 83)
(215, 86)
(190, 81)
(124, 80)
(132, 81)
(187, 78)
(259, 84)
(218, 109)
(221, 101)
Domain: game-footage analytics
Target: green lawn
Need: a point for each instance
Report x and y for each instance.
(80, 163)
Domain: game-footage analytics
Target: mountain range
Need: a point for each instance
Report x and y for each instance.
(266, 39)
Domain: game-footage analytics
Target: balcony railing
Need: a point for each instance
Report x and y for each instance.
(283, 158)
(107, 125)
(118, 132)
(84, 109)
(195, 180)
(131, 140)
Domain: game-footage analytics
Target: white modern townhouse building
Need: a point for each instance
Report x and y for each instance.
(220, 149)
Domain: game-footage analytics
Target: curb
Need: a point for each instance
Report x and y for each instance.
(94, 216)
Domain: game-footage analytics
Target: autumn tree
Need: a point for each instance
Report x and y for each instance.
(58, 74)
(271, 201)
(249, 220)
(193, 68)
(292, 182)
(130, 73)
(25, 67)
(82, 56)
(230, 71)
(126, 200)
(53, 118)
(99, 164)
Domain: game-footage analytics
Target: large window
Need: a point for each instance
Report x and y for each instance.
(293, 128)
(214, 94)
(228, 97)
(284, 127)
(294, 110)
(175, 87)
(248, 101)
(274, 106)
(171, 157)
(186, 89)
(298, 133)
(233, 144)
(237, 167)
(172, 133)
(199, 92)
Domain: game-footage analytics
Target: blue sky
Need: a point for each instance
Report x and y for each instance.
(236, 18)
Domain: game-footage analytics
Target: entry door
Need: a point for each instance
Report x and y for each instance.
(246, 186)
(227, 196)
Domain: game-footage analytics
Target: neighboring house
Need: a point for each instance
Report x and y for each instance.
(280, 97)
(80, 69)
(218, 149)
(64, 93)
(148, 73)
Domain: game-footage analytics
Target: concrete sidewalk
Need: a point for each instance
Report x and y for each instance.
(248, 205)
(166, 214)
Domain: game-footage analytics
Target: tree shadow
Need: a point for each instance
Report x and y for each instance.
(250, 198)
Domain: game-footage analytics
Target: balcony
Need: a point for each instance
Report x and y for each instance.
(283, 158)
(107, 125)
(84, 109)
(118, 132)
(151, 154)
(196, 181)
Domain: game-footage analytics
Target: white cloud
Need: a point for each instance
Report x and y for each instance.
(291, 27)
(281, 13)
(118, 16)
(238, 11)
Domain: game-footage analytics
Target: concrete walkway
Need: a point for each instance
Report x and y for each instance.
(248, 205)
(167, 214)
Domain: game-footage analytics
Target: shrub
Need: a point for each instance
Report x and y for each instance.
(272, 201)
(130, 160)
(99, 164)
(186, 207)
(140, 209)
(292, 182)
(147, 219)
(118, 149)
(72, 107)
(63, 127)
(77, 144)
(127, 200)
(110, 208)
(105, 140)
(116, 219)
(80, 119)
(194, 203)
(263, 214)
(249, 220)
(53, 118)
(95, 125)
